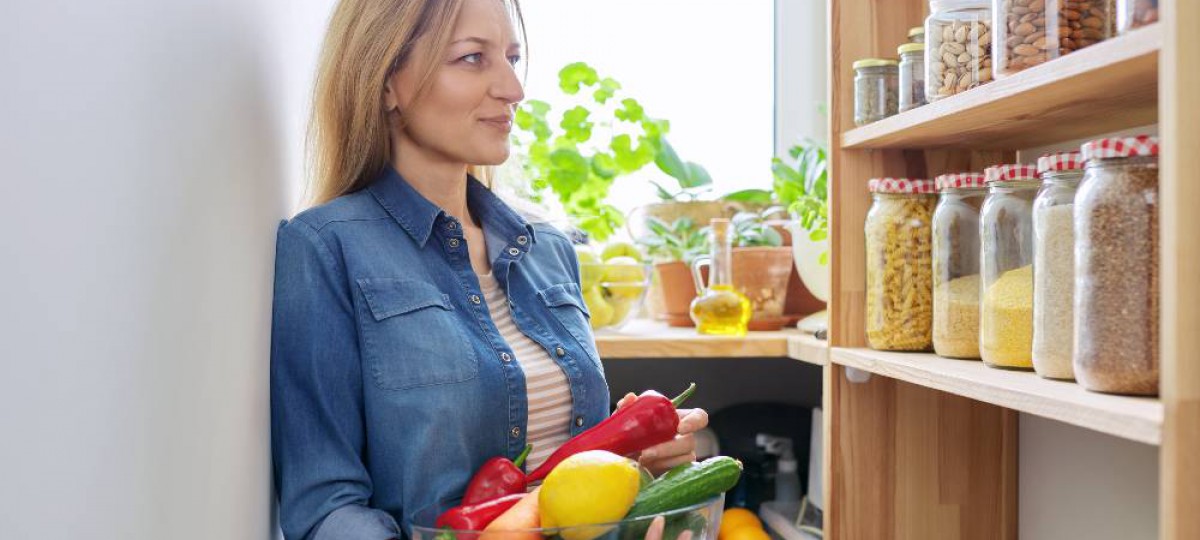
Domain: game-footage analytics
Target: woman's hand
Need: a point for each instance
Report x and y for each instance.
(655, 532)
(661, 458)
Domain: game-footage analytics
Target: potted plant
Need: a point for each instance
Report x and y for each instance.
(682, 201)
(803, 187)
(673, 246)
(762, 266)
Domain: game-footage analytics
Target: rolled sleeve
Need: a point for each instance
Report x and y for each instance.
(317, 425)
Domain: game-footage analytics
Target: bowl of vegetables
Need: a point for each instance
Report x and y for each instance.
(590, 489)
(699, 521)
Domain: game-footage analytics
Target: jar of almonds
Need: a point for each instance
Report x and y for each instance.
(900, 264)
(1030, 32)
(1117, 267)
(958, 46)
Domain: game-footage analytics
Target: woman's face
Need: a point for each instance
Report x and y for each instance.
(466, 115)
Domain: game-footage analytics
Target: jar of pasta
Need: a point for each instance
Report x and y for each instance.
(899, 264)
(1006, 243)
(956, 265)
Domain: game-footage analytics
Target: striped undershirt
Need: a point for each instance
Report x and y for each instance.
(546, 385)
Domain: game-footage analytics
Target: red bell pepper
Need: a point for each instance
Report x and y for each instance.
(496, 478)
(648, 421)
(476, 517)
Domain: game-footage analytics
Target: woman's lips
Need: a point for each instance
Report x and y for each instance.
(503, 123)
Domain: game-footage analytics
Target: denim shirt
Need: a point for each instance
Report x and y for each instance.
(390, 385)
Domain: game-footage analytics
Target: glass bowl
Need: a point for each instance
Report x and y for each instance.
(614, 292)
(703, 520)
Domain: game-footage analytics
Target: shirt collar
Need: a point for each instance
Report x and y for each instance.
(418, 215)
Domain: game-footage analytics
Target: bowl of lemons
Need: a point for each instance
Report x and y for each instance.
(613, 281)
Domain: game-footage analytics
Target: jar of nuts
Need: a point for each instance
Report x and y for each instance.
(899, 264)
(956, 265)
(916, 34)
(1132, 14)
(1006, 246)
(876, 90)
(912, 75)
(1117, 267)
(958, 46)
(1030, 32)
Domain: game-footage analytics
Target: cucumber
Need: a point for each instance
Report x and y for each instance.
(687, 484)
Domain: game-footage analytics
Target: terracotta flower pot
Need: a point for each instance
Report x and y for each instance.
(762, 274)
(676, 290)
(701, 212)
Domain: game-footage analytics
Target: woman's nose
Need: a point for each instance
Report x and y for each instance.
(507, 85)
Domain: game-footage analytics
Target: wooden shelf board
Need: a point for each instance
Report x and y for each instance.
(806, 348)
(1133, 418)
(1106, 87)
(649, 339)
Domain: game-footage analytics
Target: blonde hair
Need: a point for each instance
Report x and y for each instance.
(367, 41)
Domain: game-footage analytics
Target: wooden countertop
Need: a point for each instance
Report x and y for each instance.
(645, 339)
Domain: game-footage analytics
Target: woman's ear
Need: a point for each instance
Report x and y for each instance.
(390, 97)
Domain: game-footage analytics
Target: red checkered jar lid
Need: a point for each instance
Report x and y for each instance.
(1121, 147)
(963, 180)
(1062, 161)
(1011, 172)
(900, 185)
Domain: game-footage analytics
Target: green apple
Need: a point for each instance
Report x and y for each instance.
(601, 310)
(591, 270)
(620, 249)
(621, 307)
(624, 270)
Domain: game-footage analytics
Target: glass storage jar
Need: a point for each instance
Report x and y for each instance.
(876, 86)
(916, 34)
(899, 263)
(1054, 265)
(912, 75)
(1117, 264)
(958, 46)
(1134, 14)
(956, 265)
(1030, 32)
(1006, 246)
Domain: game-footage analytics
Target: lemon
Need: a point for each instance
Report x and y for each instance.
(588, 488)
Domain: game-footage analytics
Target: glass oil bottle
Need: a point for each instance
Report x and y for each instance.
(719, 309)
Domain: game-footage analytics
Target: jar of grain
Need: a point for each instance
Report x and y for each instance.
(1006, 244)
(1054, 265)
(899, 264)
(1134, 14)
(1117, 264)
(956, 265)
(958, 46)
(912, 75)
(1030, 32)
(876, 88)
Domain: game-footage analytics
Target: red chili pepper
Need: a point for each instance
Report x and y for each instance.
(476, 517)
(496, 478)
(649, 421)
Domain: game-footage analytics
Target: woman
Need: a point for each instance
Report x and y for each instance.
(421, 326)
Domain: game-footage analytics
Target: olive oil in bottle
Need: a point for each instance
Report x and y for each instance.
(719, 309)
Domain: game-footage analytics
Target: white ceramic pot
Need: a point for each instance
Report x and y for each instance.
(817, 277)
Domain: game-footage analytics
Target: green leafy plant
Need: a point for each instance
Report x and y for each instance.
(803, 188)
(680, 240)
(605, 135)
(750, 229)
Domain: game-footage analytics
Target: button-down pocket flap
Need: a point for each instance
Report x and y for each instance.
(388, 297)
(566, 294)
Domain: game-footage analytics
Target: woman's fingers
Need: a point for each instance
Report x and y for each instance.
(680, 445)
(625, 401)
(692, 420)
(655, 532)
(663, 465)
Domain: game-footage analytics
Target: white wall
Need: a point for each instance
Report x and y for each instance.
(801, 68)
(147, 150)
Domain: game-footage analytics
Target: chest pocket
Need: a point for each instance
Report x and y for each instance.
(565, 304)
(411, 337)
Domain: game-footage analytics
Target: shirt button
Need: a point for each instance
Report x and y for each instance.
(453, 242)
(522, 240)
(475, 299)
(452, 225)
(516, 432)
(513, 251)
(579, 421)
(506, 357)
(560, 351)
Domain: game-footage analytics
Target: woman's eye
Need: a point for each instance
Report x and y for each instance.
(514, 59)
(473, 58)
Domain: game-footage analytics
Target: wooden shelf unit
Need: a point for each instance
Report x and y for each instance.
(927, 448)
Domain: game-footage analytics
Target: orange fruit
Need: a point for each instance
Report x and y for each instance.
(736, 518)
(747, 532)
